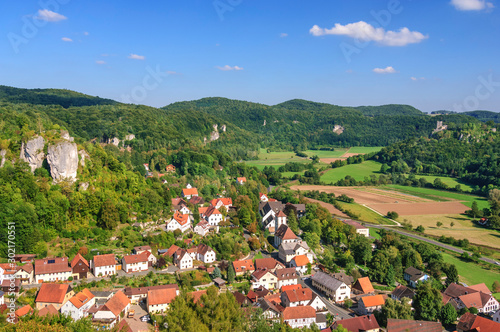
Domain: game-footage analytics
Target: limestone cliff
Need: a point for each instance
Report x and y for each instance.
(83, 155)
(2, 157)
(32, 152)
(63, 160)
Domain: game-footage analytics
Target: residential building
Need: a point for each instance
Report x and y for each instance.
(241, 180)
(179, 221)
(170, 168)
(367, 323)
(140, 293)
(151, 258)
(53, 294)
(296, 297)
(401, 292)
(48, 311)
(269, 211)
(337, 290)
(300, 263)
(140, 249)
(77, 307)
(189, 192)
(403, 325)
(212, 215)
(25, 258)
(284, 235)
(368, 304)
(472, 323)
(286, 277)
(263, 197)
(348, 280)
(52, 269)
(363, 286)
(197, 200)
(298, 209)
(135, 263)
(183, 260)
(23, 311)
(360, 229)
(242, 299)
(298, 317)
(109, 314)
(178, 204)
(264, 278)
(202, 228)
(25, 274)
(205, 254)
(270, 310)
(414, 276)
(104, 265)
(478, 296)
(80, 267)
(496, 316)
(222, 202)
(287, 251)
(158, 300)
(243, 266)
(269, 263)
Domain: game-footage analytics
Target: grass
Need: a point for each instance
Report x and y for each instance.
(364, 149)
(471, 273)
(259, 255)
(364, 213)
(451, 182)
(374, 233)
(357, 171)
(338, 152)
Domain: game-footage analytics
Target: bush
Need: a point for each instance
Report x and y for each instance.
(420, 229)
(392, 215)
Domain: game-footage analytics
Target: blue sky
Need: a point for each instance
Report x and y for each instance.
(430, 54)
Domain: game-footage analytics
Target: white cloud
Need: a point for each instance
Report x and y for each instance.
(227, 67)
(100, 62)
(85, 33)
(417, 78)
(283, 35)
(386, 70)
(367, 32)
(413, 78)
(466, 5)
(66, 39)
(49, 16)
(136, 57)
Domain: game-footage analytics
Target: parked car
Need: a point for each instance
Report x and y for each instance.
(145, 318)
(131, 313)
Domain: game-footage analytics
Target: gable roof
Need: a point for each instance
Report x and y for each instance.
(471, 322)
(477, 300)
(23, 311)
(52, 293)
(190, 191)
(301, 260)
(268, 263)
(285, 233)
(196, 200)
(348, 280)
(48, 310)
(104, 260)
(117, 303)
(243, 265)
(78, 258)
(202, 249)
(211, 210)
(299, 312)
(364, 285)
(182, 219)
(281, 214)
(28, 268)
(286, 274)
(52, 265)
(403, 325)
(403, 291)
(161, 296)
(480, 288)
(291, 287)
(129, 291)
(223, 200)
(455, 290)
(142, 248)
(358, 324)
(240, 298)
(131, 259)
(354, 224)
(298, 295)
(266, 305)
(81, 298)
(373, 301)
(326, 280)
(415, 274)
(260, 273)
(171, 251)
(196, 295)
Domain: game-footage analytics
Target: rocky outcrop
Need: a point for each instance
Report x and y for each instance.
(32, 152)
(65, 135)
(338, 129)
(63, 160)
(83, 186)
(129, 137)
(214, 135)
(2, 157)
(223, 128)
(115, 141)
(83, 155)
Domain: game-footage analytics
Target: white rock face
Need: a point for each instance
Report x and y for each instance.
(223, 128)
(32, 152)
(2, 156)
(83, 155)
(84, 186)
(129, 137)
(338, 129)
(115, 141)
(63, 160)
(65, 135)
(214, 136)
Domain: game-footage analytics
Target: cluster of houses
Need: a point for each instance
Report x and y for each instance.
(185, 258)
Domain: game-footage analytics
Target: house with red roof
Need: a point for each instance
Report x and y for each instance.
(363, 286)
(284, 235)
(287, 276)
(103, 265)
(109, 314)
(77, 307)
(299, 317)
(183, 259)
(170, 168)
(179, 221)
(189, 192)
(241, 180)
(268, 263)
(300, 263)
(137, 294)
(202, 228)
(23, 311)
(473, 323)
(52, 269)
(135, 263)
(403, 325)
(366, 323)
(212, 215)
(263, 197)
(25, 274)
(360, 229)
(368, 304)
(53, 294)
(178, 204)
(158, 300)
(243, 266)
(477, 296)
(264, 278)
(226, 202)
(80, 267)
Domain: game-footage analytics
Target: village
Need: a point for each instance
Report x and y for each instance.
(286, 282)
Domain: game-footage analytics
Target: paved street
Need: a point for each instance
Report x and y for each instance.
(338, 312)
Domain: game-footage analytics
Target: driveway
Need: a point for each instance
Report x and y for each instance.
(135, 322)
(337, 312)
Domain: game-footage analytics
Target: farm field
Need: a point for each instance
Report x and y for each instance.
(472, 274)
(337, 153)
(463, 228)
(366, 214)
(357, 171)
(277, 159)
(364, 149)
(332, 209)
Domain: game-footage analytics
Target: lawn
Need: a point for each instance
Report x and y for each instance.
(259, 255)
(364, 149)
(365, 214)
(374, 233)
(441, 195)
(471, 273)
(337, 153)
(451, 182)
(357, 171)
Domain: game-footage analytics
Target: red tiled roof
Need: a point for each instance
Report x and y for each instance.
(171, 251)
(469, 322)
(243, 265)
(259, 273)
(78, 258)
(123, 326)
(241, 179)
(197, 295)
(301, 260)
(364, 285)
(300, 312)
(281, 214)
(182, 219)
(142, 257)
(372, 301)
(81, 298)
(285, 233)
(268, 263)
(104, 260)
(144, 290)
(291, 287)
(142, 248)
(26, 267)
(52, 265)
(211, 210)
(23, 311)
(52, 293)
(355, 224)
(304, 294)
(161, 296)
(403, 325)
(190, 192)
(477, 300)
(117, 303)
(358, 324)
(48, 310)
(203, 249)
(481, 288)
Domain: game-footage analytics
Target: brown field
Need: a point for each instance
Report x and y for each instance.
(332, 209)
(330, 160)
(408, 209)
(462, 228)
(348, 154)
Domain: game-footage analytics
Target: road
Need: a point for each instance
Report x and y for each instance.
(337, 312)
(434, 242)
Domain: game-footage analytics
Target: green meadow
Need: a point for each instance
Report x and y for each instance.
(357, 171)
(471, 273)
